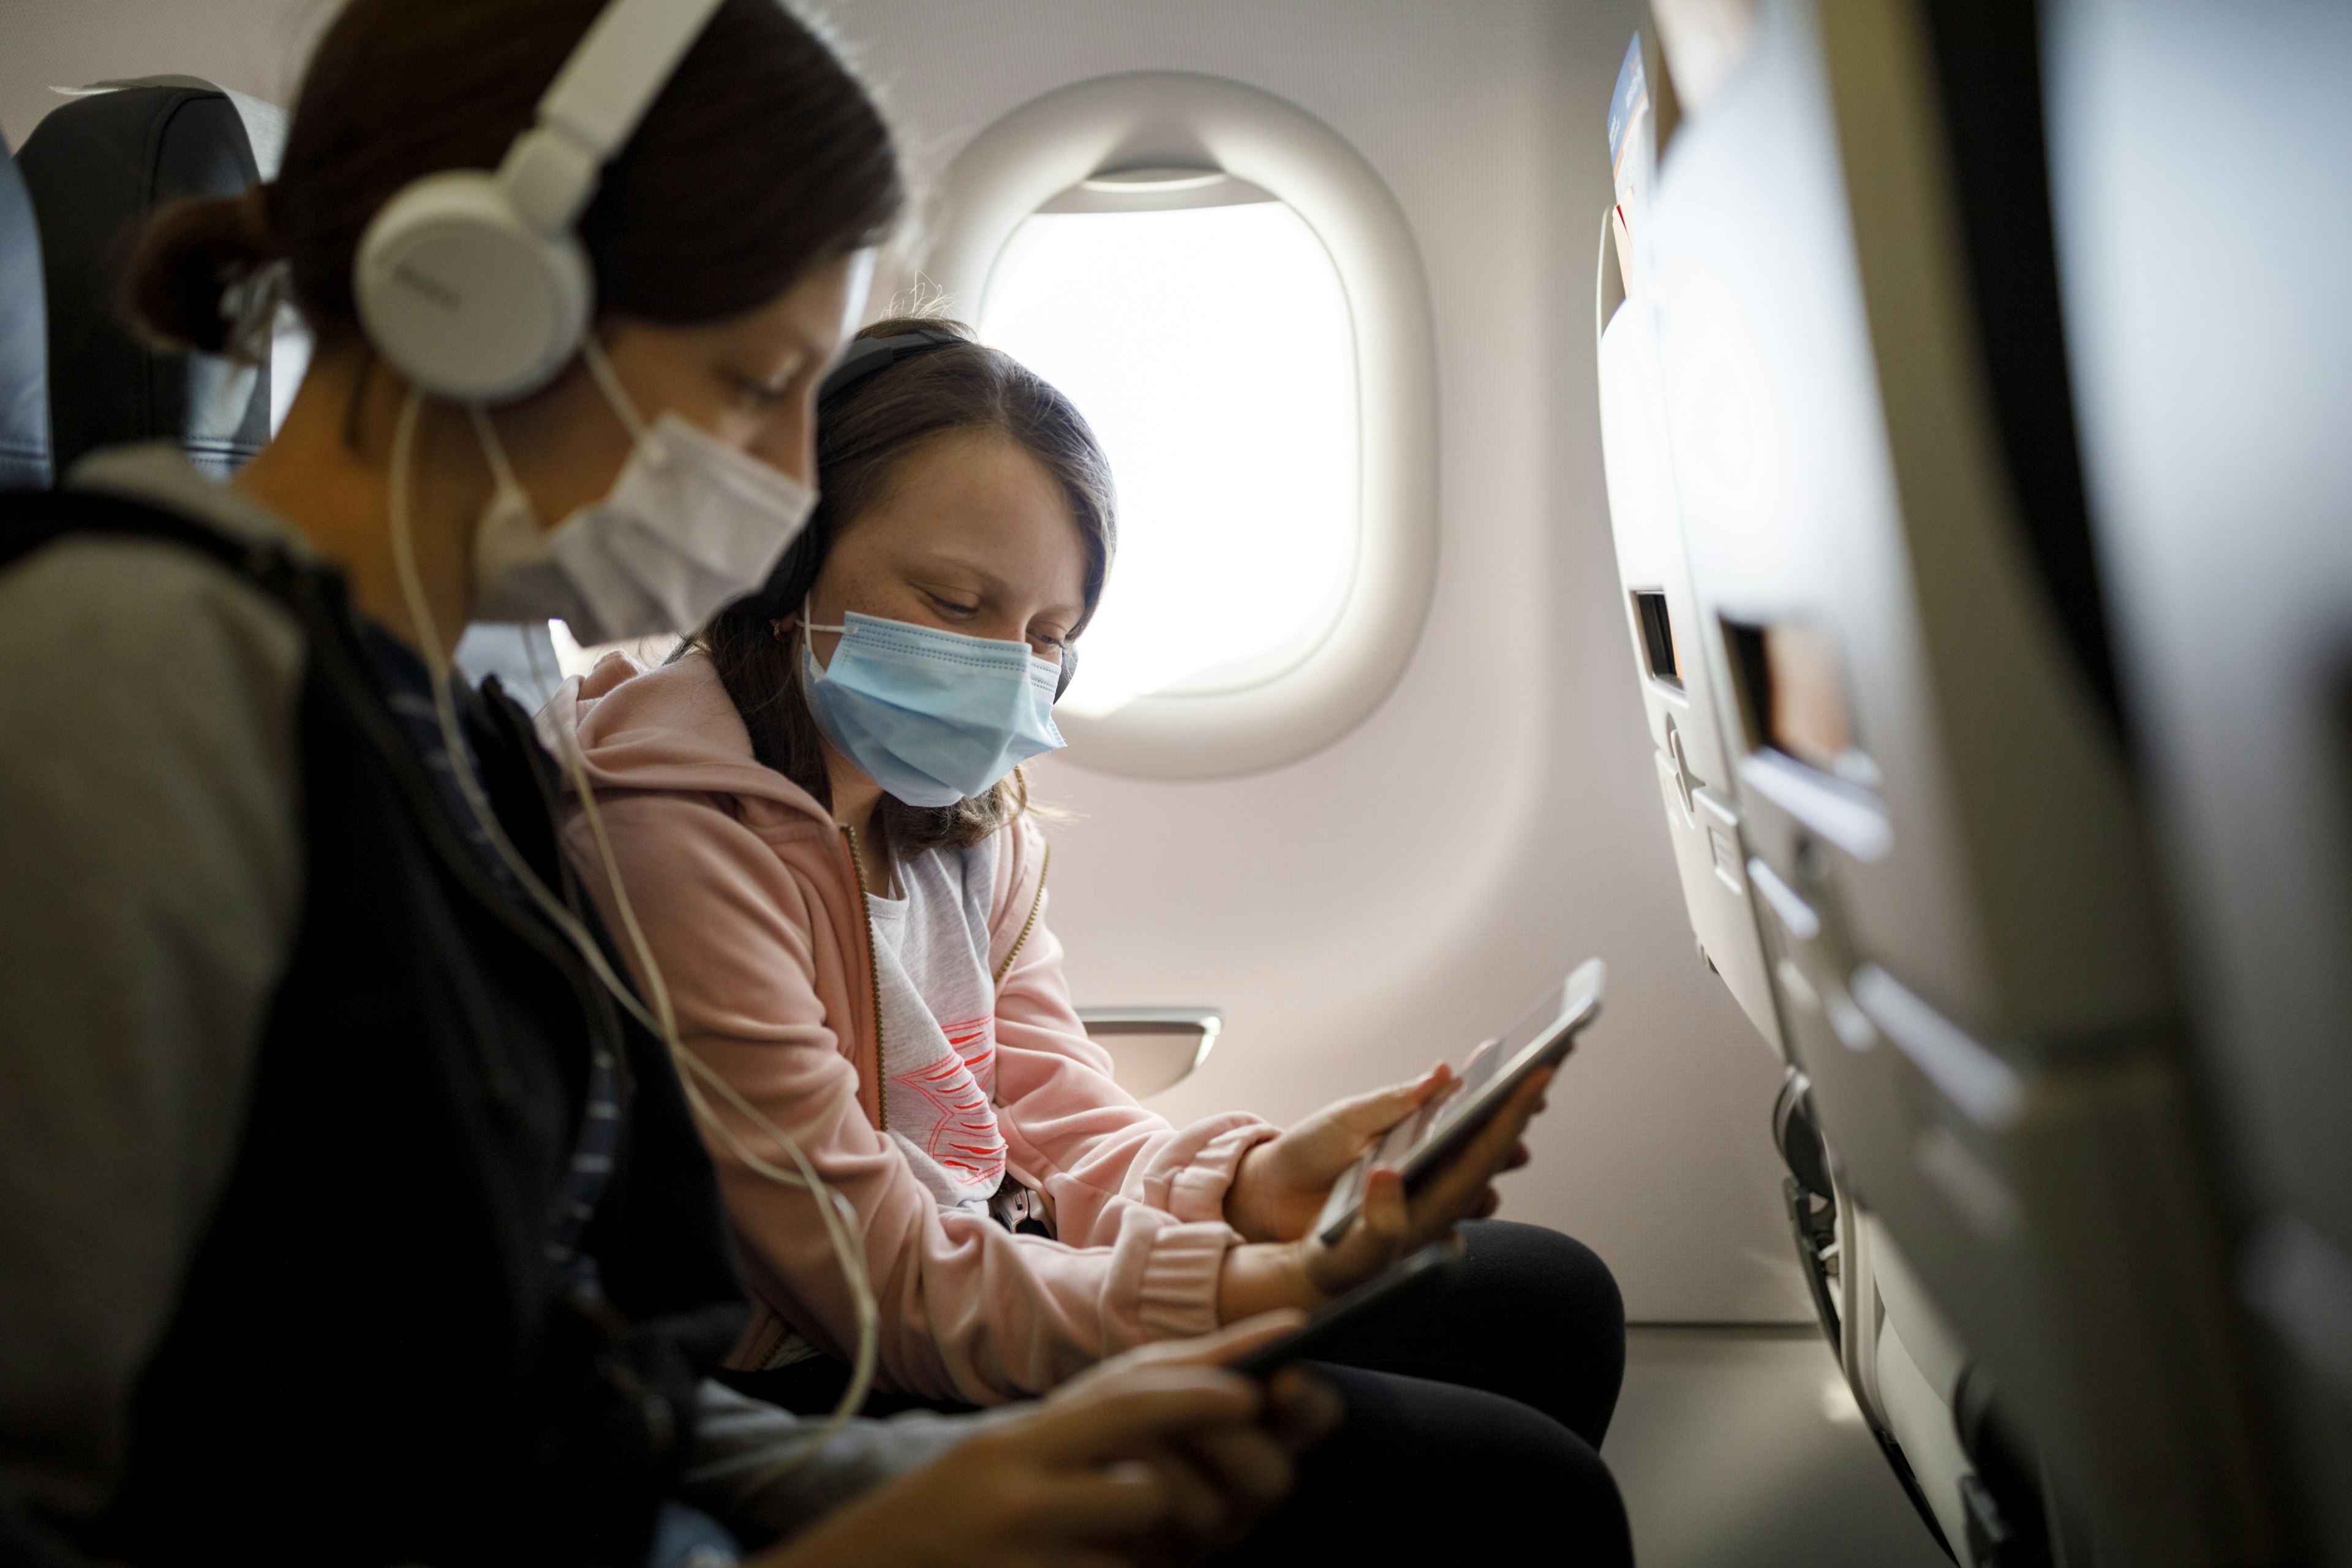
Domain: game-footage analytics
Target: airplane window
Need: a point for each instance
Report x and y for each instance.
(1232, 294)
(1201, 327)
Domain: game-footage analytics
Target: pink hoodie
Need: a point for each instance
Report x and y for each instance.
(752, 905)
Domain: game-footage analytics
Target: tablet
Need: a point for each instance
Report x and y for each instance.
(1421, 1142)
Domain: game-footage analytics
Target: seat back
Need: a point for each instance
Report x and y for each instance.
(2211, 333)
(96, 168)
(23, 339)
(1679, 693)
(1867, 410)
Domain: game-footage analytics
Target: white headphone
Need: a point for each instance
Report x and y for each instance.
(472, 283)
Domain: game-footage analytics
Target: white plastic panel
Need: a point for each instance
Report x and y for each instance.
(1686, 710)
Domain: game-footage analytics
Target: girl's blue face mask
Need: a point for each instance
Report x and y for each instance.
(934, 717)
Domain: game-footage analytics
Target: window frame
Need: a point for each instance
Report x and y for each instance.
(1040, 150)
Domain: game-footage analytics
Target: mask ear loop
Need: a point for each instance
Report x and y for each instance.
(839, 1218)
(502, 475)
(600, 370)
(808, 622)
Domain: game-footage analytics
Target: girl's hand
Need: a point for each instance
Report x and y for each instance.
(1282, 1184)
(1148, 1458)
(1306, 1273)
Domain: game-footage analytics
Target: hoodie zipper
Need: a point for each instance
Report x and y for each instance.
(873, 979)
(1037, 902)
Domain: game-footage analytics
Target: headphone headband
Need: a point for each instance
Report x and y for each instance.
(595, 104)
(472, 284)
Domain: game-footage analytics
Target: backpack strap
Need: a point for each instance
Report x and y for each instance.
(33, 520)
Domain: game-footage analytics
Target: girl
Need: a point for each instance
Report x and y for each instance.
(817, 811)
(348, 1216)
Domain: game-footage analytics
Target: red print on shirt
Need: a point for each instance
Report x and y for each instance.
(963, 1136)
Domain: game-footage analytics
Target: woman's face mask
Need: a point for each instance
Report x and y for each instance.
(931, 715)
(693, 521)
(961, 587)
(689, 524)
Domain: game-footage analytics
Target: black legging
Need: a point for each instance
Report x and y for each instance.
(1476, 1405)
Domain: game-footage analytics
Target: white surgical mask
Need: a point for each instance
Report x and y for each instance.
(689, 525)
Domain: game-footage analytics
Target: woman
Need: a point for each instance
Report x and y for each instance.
(819, 820)
(347, 1215)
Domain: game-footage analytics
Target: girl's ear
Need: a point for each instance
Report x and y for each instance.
(780, 629)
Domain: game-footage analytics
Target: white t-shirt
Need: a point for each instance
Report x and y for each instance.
(939, 1021)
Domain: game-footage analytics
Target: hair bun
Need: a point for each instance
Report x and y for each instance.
(201, 270)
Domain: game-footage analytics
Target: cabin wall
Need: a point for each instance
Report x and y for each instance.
(252, 45)
(1414, 886)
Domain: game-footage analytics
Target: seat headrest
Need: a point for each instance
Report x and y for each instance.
(96, 168)
(23, 339)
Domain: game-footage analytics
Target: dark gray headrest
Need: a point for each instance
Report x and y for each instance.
(23, 339)
(98, 167)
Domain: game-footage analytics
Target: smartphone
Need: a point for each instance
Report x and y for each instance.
(1307, 1341)
(1426, 1139)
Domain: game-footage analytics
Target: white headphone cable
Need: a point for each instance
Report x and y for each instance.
(839, 1218)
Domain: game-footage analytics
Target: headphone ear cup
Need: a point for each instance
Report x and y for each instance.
(466, 298)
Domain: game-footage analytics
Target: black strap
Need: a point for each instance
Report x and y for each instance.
(872, 357)
(31, 520)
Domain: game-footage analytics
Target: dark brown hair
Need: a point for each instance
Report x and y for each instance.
(865, 436)
(762, 157)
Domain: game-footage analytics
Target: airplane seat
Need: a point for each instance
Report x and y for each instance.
(2211, 390)
(1893, 585)
(23, 339)
(1847, 1260)
(1689, 696)
(96, 168)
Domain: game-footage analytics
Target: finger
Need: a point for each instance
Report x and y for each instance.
(1251, 1471)
(1237, 1340)
(1096, 1505)
(1516, 1158)
(1386, 1213)
(1125, 1410)
(1377, 1110)
(1489, 1204)
(1226, 1344)
(1370, 1245)
(1198, 1502)
(1456, 1188)
(1302, 1409)
(1379, 1236)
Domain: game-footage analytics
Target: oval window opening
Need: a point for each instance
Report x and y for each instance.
(1201, 328)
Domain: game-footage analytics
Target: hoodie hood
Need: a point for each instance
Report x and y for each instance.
(670, 729)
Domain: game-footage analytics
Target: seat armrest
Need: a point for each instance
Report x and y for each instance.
(1153, 1049)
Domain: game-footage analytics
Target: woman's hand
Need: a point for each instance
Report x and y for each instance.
(1306, 1273)
(1150, 1457)
(1282, 1183)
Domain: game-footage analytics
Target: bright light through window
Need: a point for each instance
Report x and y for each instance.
(1212, 350)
